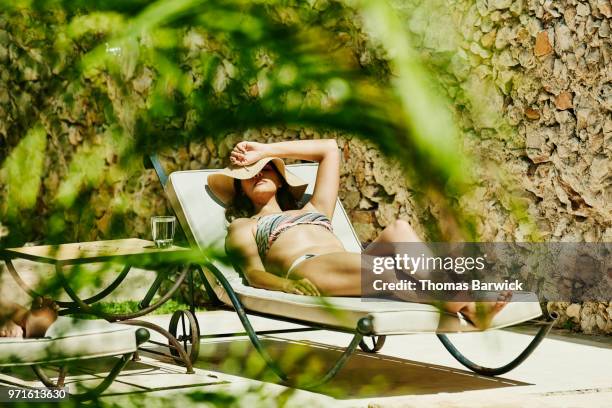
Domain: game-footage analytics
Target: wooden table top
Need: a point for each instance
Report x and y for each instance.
(93, 251)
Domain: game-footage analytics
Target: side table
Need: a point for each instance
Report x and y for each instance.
(130, 252)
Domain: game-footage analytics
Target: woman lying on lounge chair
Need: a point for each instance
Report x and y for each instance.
(17, 321)
(286, 248)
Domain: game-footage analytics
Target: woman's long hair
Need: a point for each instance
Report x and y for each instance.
(241, 205)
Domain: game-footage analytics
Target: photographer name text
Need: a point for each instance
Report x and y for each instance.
(428, 285)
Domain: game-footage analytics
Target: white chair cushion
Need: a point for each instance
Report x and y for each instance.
(203, 221)
(70, 339)
(388, 317)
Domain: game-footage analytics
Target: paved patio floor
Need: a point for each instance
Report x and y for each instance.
(410, 371)
(567, 370)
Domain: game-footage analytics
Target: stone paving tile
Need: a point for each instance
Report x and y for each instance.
(363, 375)
(586, 398)
(145, 375)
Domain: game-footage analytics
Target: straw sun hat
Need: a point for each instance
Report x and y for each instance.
(221, 183)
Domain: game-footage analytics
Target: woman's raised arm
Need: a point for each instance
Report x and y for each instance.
(324, 151)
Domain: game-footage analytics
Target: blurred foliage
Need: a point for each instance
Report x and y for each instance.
(89, 87)
(131, 306)
(109, 81)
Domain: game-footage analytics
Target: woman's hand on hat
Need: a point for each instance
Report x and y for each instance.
(245, 153)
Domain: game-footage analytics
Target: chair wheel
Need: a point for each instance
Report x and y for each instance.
(187, 333)
(377, 344)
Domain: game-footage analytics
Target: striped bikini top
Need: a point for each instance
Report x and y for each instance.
(269, 227)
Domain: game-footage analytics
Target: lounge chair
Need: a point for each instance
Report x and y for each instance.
(69, 341)
(202, 219)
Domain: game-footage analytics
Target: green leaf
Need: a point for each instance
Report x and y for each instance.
(22, 171)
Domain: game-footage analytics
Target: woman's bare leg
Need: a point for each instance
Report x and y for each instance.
(339, 274)
(479, 313)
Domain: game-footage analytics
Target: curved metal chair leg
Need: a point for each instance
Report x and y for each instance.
(377, 343)
(348, 351)
(493, 371)
(102, 294)
(364, 327)
(171, 339)
(46, 380)
(189, 334)
(100, 388)
(110, 288)
(111, 317)
(212, 296)
(142, 335)
(90, 393)
(246, 323)
(33, 294)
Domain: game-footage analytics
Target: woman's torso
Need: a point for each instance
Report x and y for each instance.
(296, 241)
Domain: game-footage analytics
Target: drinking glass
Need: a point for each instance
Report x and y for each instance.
(162, 228)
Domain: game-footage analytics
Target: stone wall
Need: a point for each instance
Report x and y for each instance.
(532, 82)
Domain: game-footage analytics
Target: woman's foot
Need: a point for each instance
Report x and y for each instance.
(38, 321)
(481, 314)
(11, 329)
(42, 315)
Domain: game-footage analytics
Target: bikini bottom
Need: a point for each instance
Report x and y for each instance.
(298, 261)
